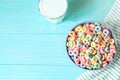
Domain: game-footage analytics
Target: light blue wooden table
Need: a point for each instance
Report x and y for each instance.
(32, 48)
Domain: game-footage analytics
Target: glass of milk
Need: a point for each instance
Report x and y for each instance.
(53, 10)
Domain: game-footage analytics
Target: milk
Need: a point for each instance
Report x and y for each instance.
(53, 10)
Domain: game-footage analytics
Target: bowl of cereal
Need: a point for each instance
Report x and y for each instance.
(90, 45)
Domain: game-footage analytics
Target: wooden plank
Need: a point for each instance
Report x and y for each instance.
(21, 16)
(33, 49)
(32, 72)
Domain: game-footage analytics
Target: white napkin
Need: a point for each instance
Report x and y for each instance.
(111, 72)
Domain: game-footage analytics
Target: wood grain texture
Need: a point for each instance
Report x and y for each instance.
(32, 48)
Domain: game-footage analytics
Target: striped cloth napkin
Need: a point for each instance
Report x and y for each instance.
(111, 72)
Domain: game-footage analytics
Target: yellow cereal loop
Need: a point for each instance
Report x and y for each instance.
(111, 41)
(71, 43)
(72, 33)
(90, 51)
(86, 56)
(94, 60)
(85, 40)
(67, 44)
(84, 29)
(87, 51)
(103, 62)
(72, 38)
(78, 29)
(93, 44)
(100, 32)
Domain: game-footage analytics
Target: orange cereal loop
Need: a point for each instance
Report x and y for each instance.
(88, 62)
(72, 33)
(100, 42)
(97, 46)
(100, 37)
(109, 58)
(110, 54)
(103, 62)
(94, 52)
(103, 44)
(78, 29)
(87, 31)
(92, 25)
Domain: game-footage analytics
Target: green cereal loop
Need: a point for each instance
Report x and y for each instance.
(88, 37)
(107, 44)
(94, 38)
(98, 58)
(79, 42)
(81, 35)
(97, 39)
(96, 24)
(97, 65)
(70, 43)
(73, 42)
(105, 37)
(92, 66)
(89, 67)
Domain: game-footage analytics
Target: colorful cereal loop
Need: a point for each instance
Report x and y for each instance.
(72, 33)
